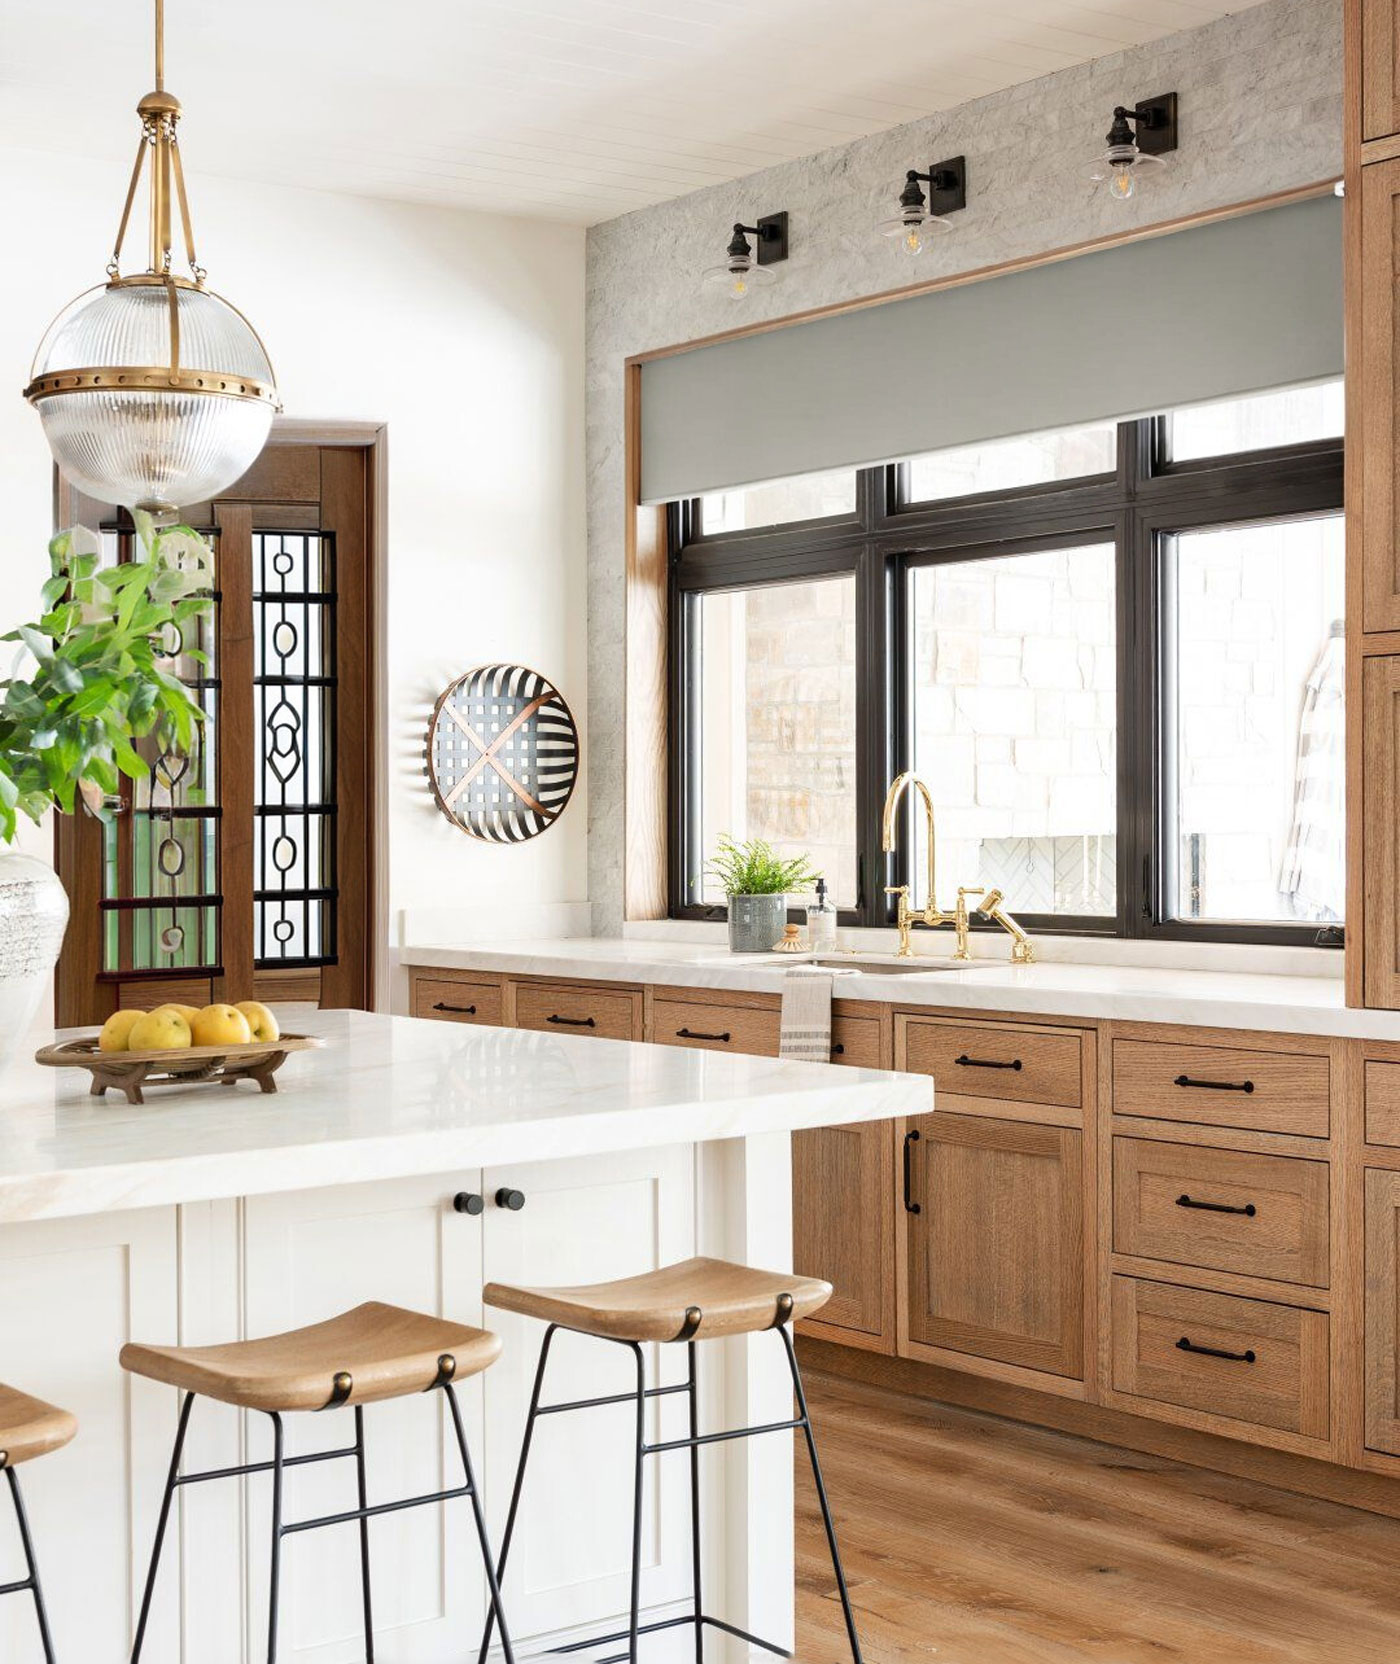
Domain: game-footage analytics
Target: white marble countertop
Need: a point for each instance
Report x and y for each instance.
(1217, 999)
(390, 1097)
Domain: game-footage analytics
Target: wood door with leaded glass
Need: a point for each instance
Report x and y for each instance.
(243, 870)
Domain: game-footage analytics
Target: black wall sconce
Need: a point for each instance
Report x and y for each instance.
(739, 273)
(1136, 143)
(920, 218)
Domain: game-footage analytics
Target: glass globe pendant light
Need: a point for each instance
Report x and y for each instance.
(153, 391)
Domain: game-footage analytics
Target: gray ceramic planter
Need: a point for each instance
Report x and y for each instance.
(756, 923)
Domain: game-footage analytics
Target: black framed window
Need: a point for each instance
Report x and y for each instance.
(1114, 654)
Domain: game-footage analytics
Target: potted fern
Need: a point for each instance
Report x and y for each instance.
(756, 881)
(92, 676)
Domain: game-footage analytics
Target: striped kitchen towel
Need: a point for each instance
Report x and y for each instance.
(806, 1016)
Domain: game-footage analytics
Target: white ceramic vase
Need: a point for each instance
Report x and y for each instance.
(33, 917)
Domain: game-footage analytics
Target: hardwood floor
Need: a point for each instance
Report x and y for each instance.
(971, 1540)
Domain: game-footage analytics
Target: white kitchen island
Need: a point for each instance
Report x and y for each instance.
(214, 1213)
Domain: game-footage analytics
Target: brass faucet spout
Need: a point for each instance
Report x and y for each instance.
(889, 827)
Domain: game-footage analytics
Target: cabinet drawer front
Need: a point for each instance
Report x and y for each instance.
(1261, 1216)
(856, 1041)
(607, 1013)
(1221, 1086)
(1383, 1103)
(716, 1028)
(457, 1002)
(1247, 1360)
(997, 1060)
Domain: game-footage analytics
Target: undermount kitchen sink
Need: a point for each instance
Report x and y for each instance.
(868, 964)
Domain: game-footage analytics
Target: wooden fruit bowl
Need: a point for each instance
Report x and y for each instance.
(128, 1072)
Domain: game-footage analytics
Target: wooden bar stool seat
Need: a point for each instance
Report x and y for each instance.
(380, 1351)
(364, 1356)
(662, 1305)
(29, 1428)
(691, 1301)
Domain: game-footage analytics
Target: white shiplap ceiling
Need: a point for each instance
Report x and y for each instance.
(573, 110)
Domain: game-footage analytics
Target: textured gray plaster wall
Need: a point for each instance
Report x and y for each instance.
(1260, 111)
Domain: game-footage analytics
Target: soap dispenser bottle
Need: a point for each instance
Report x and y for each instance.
(821, 922)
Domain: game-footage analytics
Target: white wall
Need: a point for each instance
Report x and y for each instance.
(1260, 111)
(464, 333)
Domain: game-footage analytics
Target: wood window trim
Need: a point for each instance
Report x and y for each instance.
(83, 879)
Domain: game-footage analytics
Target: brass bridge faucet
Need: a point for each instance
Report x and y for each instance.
(990, 906)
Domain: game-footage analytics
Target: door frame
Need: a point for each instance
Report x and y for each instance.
(373, 438)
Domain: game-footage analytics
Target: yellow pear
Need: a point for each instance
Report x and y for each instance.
(221, 1025)
(188, 1012)
(159, 1031)
(116, 1031)
(260, 1020)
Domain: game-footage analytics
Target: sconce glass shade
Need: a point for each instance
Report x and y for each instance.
(737, 277)
(153, 394)
(915, 228)
(1121, 166)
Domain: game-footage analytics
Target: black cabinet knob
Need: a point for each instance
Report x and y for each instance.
(469, 1201)
(512, 1199)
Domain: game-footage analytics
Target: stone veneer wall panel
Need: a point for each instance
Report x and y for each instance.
(1261, 111)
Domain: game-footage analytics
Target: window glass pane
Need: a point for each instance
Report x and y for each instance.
(808, 497)
(1254, 717)
(1292, 416)
(1006, 464)
(777, 740)
(1015, 726)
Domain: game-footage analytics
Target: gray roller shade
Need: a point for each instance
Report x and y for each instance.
(1234, 307)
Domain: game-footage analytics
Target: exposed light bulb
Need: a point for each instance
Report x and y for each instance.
(1122, 182)
(739, 286)
(913, 240)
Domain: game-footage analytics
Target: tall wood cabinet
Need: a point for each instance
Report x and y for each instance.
(1372, 149)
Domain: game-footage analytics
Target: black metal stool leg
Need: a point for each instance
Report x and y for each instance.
(805, 1421)
(636, 1607)
(514, 1509)
(31, 1566)
(274, 1582)
(363, 1489)
(693, 1401)
(171, 1483)
(498, 1613)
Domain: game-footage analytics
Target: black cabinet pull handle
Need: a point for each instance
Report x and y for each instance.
(1184, 1345)
(910, 1205)
(574, 1022)
(1248, 1210)
(508, 1198)
(967, 1062)
(697, 1034)
(469, 1201)
(1215, 1085)
(466, 1010)
(838, 1050)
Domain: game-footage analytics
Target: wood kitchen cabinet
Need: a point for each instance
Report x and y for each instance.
(993, 1243)
(1382, 1311)
(1376, 48)
(1375, 325)
(1380, 878)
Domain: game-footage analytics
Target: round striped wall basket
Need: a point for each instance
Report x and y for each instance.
(503, 753)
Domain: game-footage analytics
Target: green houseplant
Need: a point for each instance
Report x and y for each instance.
(757, 881)
(92, 677)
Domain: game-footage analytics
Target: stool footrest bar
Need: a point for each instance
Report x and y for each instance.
(262, 1467)
(612, 1398)
(17, 1588)
(720, 1438)
(377, 1508)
